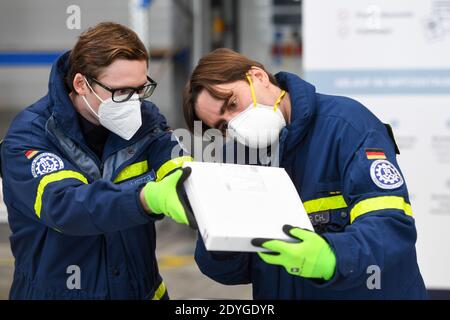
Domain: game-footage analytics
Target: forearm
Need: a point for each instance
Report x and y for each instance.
(229, 268)
(363, 245)
(91, 209)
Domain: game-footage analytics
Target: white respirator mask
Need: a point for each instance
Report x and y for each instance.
(259, 125)
(121, 118)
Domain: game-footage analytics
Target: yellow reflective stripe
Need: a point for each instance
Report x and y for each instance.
(252, 89)
(323, 204)
(275, 106)
(54, 177)
(131, 171)
(159, 293)
(171, 165)
(380, 203)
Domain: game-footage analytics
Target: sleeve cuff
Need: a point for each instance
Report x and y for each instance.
(345, 264)
(132, 206)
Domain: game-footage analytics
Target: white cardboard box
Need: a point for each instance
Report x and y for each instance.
(235, 203)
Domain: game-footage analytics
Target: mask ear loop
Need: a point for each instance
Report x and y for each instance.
(277, 103)
(87, 82)
(252, 89)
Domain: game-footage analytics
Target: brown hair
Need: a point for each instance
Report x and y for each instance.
(101, 45)
(220, 66)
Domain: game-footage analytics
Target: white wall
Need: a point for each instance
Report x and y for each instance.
(383, 53)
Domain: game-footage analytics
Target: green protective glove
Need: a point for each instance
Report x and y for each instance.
(311, 257)
(167, 197)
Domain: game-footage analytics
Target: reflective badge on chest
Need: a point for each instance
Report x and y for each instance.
(147, 177)
(319, 218)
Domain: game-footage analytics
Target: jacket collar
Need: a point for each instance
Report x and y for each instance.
(303, 109)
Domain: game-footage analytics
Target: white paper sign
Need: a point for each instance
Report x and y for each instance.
(393, 56)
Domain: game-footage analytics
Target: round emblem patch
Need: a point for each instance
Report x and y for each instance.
(46, 163)
(385, 175)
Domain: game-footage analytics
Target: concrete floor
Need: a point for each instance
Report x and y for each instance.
(175, 255)
(6, 262)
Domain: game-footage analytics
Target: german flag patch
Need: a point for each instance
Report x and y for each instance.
(375, 154)
(31, 153)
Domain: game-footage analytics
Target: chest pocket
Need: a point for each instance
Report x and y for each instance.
(328, 212)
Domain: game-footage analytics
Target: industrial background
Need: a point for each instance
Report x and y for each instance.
(340, 46)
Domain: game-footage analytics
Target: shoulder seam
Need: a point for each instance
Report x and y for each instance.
(340, 118)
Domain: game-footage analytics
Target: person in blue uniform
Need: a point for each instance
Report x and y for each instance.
(341, 159)
(87, 171)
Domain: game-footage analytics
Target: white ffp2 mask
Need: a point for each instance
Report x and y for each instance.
(259, 125)
(122, 118)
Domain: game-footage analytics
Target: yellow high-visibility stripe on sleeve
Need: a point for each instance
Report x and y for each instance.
(131, 171)
(380, 203)
(159, 293)
(54, 177)
(171, 165)
(323, 204)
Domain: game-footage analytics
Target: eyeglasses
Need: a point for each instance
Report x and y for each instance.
(124, 94)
